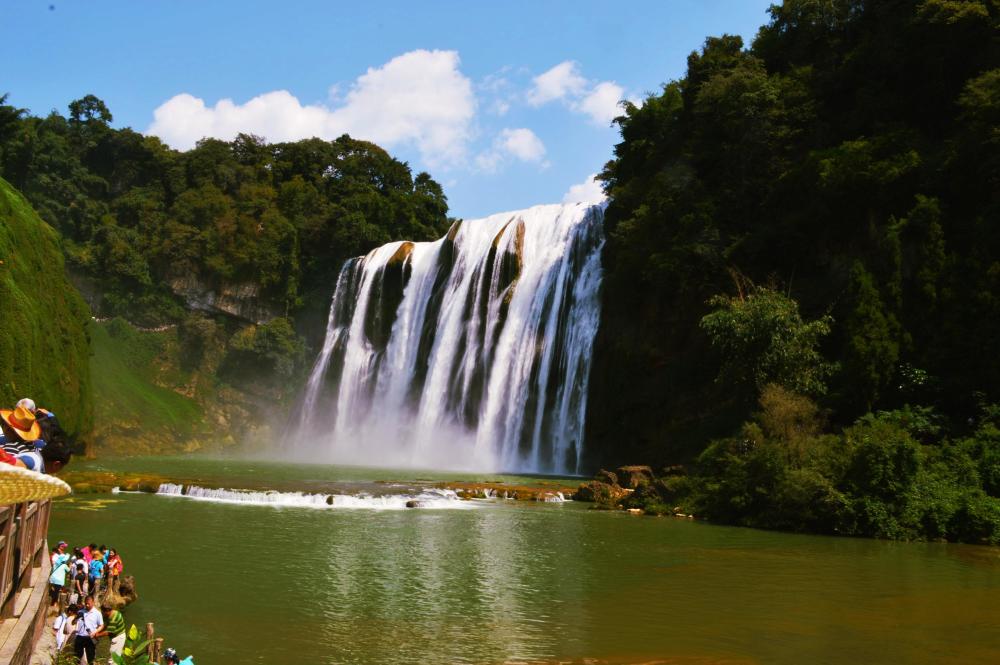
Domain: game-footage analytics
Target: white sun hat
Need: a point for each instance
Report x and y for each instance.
(18, 485)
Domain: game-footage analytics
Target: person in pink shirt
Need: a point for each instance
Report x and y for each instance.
(88, 552)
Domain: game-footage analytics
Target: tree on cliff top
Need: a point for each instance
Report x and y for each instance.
(136, 215)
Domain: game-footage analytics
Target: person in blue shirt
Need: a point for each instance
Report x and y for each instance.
(59, 554)
(57, 580)
(96, 573)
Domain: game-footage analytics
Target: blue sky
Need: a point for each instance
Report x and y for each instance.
(505, 103)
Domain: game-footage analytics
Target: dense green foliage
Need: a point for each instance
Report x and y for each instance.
(136, 215)
(43, 338)
(889, 475)
(266, 353)
(764, 340)
(850, 160)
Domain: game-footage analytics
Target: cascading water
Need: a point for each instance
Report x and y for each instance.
(471, 352)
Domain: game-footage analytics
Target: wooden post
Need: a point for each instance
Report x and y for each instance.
(151, 648)
(158, 642)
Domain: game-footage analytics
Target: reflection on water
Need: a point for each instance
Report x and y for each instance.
(509, 582)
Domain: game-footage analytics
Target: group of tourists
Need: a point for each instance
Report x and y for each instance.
(91, 576)
(87, 571)
(30, 437)
(86, 575)
(88, 624)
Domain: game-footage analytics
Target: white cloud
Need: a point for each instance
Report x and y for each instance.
(603, 103)
(563, 80)
(497, 91)
(500, 107)
(588, 191)
(419, 98)
(521, 144)
(599, 100)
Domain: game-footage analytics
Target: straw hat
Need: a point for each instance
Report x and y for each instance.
(18, 485)
(23, 422)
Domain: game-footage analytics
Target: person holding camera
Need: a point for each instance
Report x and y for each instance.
(88, 623)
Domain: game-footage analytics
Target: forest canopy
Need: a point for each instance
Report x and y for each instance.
(810, 224)
(135, 215)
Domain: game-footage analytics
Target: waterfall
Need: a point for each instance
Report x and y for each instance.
(471, 352)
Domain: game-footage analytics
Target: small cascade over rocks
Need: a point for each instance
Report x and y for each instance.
(471, 352)
(427, 498)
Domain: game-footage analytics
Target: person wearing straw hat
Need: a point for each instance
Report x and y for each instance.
(19, 430)
(20, 437)
(50, 429)
(20, 425)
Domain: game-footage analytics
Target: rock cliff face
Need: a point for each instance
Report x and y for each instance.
(242, 300)
(388, 293)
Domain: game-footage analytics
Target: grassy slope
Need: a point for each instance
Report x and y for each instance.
(135, 414)
(43, 339)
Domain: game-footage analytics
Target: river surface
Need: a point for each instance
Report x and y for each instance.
(494, 581)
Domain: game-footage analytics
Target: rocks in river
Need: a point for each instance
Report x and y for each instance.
(88, 482)
(633, 477)
(606, 476)
(605, 488)
(637, 491)
(599, 492)
(412, 503)
(544, 491)
(126, 593)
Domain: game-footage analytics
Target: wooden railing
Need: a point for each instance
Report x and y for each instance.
(24, 570)
(22, 547)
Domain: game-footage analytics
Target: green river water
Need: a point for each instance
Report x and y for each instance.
(496, 581)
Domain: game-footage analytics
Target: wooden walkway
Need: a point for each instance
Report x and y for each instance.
(24, 578)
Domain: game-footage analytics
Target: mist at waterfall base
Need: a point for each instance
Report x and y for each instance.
(472, 352)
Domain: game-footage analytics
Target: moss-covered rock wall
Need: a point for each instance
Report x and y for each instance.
(44, 349)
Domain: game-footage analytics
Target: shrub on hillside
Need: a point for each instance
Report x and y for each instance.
(269, 352)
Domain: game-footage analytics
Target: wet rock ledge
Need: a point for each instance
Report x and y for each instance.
(636, 489)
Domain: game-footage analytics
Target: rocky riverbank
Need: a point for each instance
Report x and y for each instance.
(103, 482)
(636, 489)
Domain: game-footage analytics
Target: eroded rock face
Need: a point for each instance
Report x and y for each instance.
(599, 492)
(606, 476)
(453, 232)
(387, 294)
(121, 593)
(242, 301)
(633, 477)
(445, 266)
(512, 260)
